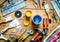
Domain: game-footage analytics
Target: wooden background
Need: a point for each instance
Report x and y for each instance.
(29, 6)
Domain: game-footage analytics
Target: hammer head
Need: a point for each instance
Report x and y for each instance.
(39, 31)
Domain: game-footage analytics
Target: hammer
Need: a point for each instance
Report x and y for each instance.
(38, 31)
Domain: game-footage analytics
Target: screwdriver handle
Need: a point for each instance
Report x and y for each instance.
(23, 38)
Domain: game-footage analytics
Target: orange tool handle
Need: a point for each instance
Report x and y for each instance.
(45, 23)
(35, 36)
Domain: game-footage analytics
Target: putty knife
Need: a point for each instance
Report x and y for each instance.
(14, 23)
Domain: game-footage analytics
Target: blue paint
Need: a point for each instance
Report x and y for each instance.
(37, 19)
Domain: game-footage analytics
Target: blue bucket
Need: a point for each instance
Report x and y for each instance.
(37, 19)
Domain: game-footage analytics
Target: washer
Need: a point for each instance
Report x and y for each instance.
(18, 14)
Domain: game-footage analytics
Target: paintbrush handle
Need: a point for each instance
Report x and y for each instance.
(4, 30)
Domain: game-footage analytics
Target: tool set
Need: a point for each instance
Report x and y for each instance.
(37, 19)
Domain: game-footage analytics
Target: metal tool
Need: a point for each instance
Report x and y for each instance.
(35, 4)
(43, 3)
(54, 17)
(12, 6)
(39, 31)
(56, 6)
(53, 35)
(14, 23)
(39, 4)
(45, 25)
(17, 39)
(2, 37)
(27, 35)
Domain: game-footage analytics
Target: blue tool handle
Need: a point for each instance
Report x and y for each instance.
(31, 41)
(10, 1)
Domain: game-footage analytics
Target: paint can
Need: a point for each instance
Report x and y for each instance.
(37, 19)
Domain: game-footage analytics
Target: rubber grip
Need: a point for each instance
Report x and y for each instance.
(35, 36)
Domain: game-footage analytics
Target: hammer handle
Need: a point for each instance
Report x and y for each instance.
(35, 36)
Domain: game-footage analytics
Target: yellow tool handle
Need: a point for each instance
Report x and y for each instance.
(23, 38)
(35, 36)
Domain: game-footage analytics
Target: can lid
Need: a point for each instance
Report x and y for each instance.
(26, 22)
(28, 13)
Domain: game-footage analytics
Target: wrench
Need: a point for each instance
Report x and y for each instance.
(2, 37)
(27, 35)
